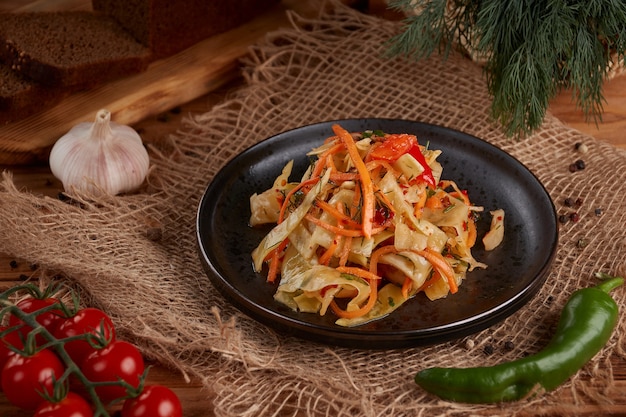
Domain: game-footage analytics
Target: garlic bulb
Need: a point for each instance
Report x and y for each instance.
(100, 157)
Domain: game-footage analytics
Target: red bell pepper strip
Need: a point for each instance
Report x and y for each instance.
(426, 176)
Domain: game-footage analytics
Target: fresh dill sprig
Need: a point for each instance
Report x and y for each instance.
(532, 49)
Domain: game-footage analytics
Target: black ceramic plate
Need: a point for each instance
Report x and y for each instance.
(494, 179)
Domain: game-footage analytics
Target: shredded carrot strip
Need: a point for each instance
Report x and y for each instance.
(383, 197)
(436, 276)
(433, 257)
(290, 194)
(418, 210)
(345, 250)
(272, 273)
(319, 166)
(377, 254)
(379, 163)
(440, 264)
(406, 287)
(345, 240)
(371, 301)
(366, 182)
(342, 219)
(347, 243)
(275, 260)
(332, 228)
(322, 161)
(471, 233)
(356, 203)
(359, 272)
(363, 310)
(328, 253)
(330, 162)
(343, 176)
(373, 287)
(339, 231)
(325, 258)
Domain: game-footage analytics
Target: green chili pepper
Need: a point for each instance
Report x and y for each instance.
(585, 326)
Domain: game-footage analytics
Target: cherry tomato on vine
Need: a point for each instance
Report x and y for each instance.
(24, 378)
(154, 401)
(73, 405)
(88, 320)
(50, 319)
(10, 339)
(119, 360)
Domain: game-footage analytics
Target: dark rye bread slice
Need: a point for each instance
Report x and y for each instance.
(76, 48)
(21, 97)
(168, 27)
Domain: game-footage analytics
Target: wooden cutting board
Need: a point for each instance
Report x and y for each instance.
(167, 83)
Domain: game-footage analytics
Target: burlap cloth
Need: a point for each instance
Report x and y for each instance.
(135, 256)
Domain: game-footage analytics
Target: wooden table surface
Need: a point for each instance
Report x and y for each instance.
(196, 400)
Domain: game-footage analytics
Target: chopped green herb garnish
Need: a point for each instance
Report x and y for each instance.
(449, 208)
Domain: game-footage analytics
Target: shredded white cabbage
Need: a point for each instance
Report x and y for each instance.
(321, 251)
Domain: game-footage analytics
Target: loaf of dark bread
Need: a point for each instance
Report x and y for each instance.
(45, 56)
(77, 48)
(167, 26)
(21, 97)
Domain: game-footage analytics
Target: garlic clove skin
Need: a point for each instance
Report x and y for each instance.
(100, 157)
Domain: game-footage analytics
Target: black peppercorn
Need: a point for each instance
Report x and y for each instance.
(563, 219)
(580, 164)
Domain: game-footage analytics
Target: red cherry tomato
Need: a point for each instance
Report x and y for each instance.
(119, 360)
(10, 339)
(49, 319)
(154, 401)
(24, 378)
(393, 147)
(86, 321)
(73, 405)
(396, 145)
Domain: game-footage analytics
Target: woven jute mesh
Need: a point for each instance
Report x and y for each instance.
(136, 256)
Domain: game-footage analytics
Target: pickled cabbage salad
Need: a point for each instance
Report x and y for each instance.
(370, 224)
